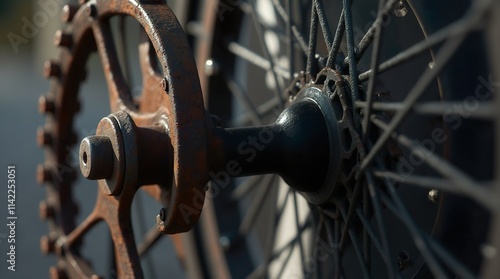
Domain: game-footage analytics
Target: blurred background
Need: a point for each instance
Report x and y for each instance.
(22, 53)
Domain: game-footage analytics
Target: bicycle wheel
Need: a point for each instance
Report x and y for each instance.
(414, 197)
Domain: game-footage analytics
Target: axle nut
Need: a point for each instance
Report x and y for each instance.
(96, 157)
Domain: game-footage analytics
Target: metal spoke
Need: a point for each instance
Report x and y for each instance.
(245, 187)
(373, 77)
(244, 100)
(457, 29)
(258, 27)
(271, 233)
(445, 54)
(311, 51)
(351, 50)
(357, 247)
(370, 35)
(298, 36)
(150, 239)
(352, 211)
(257, 60)
(375, 197)
(337, 40)
(262, 109)
(420, 243)
(424, 240)
(463, 182)
(297, 222)
(323, 21)
(478, 110)
(256, 206)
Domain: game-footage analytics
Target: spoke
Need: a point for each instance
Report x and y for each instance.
(299, 236)
(337, 40)
(271, 232)
(257, 60)
(311, 51)
(370, 231)
(371, 33)
(244, 100)
(258, 27)
(351, 49)
(375, 197)
(262, 109)
(298, 36)
(245, 187)
(117, 84)
(445, 54)
(424, 240)
(463, 182)
(367, 241)
(457, 29)
(421, 181)
(323, 21)
(373, 77)
(420, 243)
(256, 206)
(357, 247)
(352, 211)
(479, 110)
(291, 53)
(150, 239)
(333, 243)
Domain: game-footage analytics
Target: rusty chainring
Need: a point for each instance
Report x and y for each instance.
(173, 88)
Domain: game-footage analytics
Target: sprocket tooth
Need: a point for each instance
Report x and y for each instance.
(63, 39)
(51, 69)
(46, 211)
(68, 12)
(43, 174)
(46, 105)
(43, 137)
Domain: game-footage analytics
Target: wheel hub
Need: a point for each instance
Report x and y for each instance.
(302, 146)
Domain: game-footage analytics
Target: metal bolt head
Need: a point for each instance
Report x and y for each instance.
(211, 67)
(400, 9)
(163, 214)
(404, 260)
(434, 195)
(91, 10)
(165, 84)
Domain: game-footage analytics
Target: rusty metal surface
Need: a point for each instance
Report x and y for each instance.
(89, 30)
